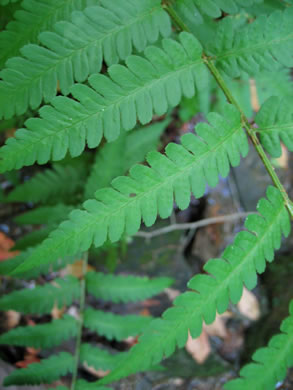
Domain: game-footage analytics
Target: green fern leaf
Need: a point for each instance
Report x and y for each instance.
(114, 326)
(194, 9)
(41, 299)
(34, 17)
(135, 90)
(42, 336)
(239, 264)
(270, 363)
(33, 238)
(131, 149)
(275, 124)
(118, 288)
(6, 267)
(83, 385)
(149, 190)
(76, 49)
(261, 45)
(48, 371)
(44, 215)
(100, 359)
(52, 185)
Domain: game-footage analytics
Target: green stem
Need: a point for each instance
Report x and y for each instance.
(221, 82)
(80, 325)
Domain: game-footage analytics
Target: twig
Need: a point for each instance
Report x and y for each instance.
(193, 225)
(80, 326)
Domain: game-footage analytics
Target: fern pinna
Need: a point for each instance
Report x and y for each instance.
(97, 68)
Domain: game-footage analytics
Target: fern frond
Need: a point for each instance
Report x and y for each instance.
(114, 326)
(119, 288)
(261, 45)
(270, 363)
(42, 336)
(239, 264)
(148, 191)
(100, 359)
(33, 238)
(131, 149)
(44, 215)
(76, 49)
(34, 17)
(275, 124)
(144, 86)
(52, 185)
(48, 371)
(41, 299)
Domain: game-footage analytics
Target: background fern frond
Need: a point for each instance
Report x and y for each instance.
(48, 371)
(100, 359)
(261, 45)
(51, 185)
(76, 49)
(41, 299)
(42, 336)
(270, 363)
(34, 17)
(275, 124)
(84, 385)
(121, 288)
(131, 149)
(149, 191)
(239, 264)
(144, 86)
(44, 215)
(5, 2)
(114, 326)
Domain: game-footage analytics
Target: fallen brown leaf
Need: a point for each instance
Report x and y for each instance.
(248, 305)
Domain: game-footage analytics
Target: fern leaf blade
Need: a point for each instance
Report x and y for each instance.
(275, 124)
(114, 326)
(100, 359)
(47, 371)
(42, 336)
(124, 289)
(41, 299)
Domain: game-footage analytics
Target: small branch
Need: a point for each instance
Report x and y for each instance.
(192, 225)
(81, 313)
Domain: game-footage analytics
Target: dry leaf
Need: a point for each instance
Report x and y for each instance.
(172, 293)
(94, 372)
(253, 96)
(5, 245)
(284, 159)
(199, 348)
(57, 313)
(248, 305)
(218, 327)
(12, 319)
(76, 269)
(30, 357)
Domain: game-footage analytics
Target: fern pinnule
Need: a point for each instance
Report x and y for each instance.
(269, 363)
(124, 288)
(114, 326)
(211, 292)
(76, 49)
(41, 299)
(44, 215)
(100, 359)
(149, 191)
(114, 102)
(47, 371)
(42, 336)
(275, 124)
